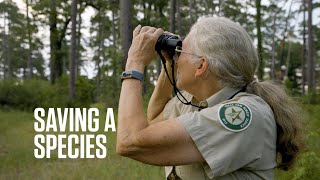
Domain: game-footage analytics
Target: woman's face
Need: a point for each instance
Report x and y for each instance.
(185, 65)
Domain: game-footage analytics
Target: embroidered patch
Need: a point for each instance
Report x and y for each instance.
(235, 117)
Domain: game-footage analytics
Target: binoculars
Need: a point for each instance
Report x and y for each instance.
(168, 43)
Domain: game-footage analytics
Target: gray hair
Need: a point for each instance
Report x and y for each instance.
(232, 56)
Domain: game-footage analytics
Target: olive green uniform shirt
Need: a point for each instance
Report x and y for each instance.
(247, 154)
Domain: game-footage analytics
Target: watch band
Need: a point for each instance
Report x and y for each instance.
(132, 74)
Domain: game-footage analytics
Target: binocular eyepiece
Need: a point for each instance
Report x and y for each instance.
(168, 43)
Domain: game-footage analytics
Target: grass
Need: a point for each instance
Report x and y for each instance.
(17, 160)
(308, 163)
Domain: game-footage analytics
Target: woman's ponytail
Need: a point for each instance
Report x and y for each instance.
(288, 119)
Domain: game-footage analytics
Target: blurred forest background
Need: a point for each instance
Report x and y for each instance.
(46, 48)
(70, 53)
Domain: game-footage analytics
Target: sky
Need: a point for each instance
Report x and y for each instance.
(89, 67)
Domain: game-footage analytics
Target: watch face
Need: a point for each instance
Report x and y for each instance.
(126, 75)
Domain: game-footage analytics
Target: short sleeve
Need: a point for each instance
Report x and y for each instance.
(225, 150)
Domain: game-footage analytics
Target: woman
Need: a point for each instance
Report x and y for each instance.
(241, 125)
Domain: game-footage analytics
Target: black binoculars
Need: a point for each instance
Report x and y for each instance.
(168, 43)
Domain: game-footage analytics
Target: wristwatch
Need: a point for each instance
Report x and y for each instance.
(132, 74)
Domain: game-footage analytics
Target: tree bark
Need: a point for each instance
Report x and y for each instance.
(56, 39)
(53, 41)
(178, 16)
(311, 68)
(173, 16)
(100, 51)
(259, 37)
(8, 69)
(303, 58)
(30, 64)
(78, 45)
(125, 28)
(73, 52)
(190, 13)
(5, 48)
(273, 47)
(115, 74)
(283, 42)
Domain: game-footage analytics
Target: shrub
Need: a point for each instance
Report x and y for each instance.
(28, 94)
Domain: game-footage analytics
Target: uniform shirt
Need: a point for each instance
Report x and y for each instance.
(249, 153)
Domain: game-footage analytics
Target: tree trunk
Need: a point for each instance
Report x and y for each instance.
(30, 65)
(73, 52)
(100, 51)
(288, 60)
(190, 13)
(115, 74)
(78, 46)
(178, 16)
(311, 68)
(5, 49)
(53, 40)
(56, 39)
(259, 37)
(220, 7)
(8, 70)
(303, 58)
(173, 16)
(283, 42)
(273, 47)
(125, 28)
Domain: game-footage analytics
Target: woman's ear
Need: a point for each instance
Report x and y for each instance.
(203, 67)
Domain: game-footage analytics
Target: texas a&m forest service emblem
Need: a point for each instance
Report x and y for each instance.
(235, 117)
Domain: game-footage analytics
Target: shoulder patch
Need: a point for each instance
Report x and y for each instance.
(235, 117)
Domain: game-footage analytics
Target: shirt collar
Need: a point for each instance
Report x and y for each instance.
(222, 95)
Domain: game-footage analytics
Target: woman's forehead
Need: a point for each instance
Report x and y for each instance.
(185, 41)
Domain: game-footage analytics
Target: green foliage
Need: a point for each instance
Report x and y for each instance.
(311, 98)
(28, 94)
(15, 47)
(308, 163)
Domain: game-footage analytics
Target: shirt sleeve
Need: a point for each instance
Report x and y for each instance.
(224, 150)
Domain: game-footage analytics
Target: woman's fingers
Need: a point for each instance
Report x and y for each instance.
(144, 29)
(136, 31)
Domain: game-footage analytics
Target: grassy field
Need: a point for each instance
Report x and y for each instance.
(17, 160)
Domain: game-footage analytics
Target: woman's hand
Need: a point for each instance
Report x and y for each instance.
(142, 49)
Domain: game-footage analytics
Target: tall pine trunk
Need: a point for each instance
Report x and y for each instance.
(283, 41)
(311, 67)
(178, 16)
(125, 28)
(30, 64)
(73, 51)
(172, 16)
(53, 40)
(78, 44)
(115, 74)
(259, 37)
(101, 53)
(273, 47)
(190, 13)
(303, 56)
